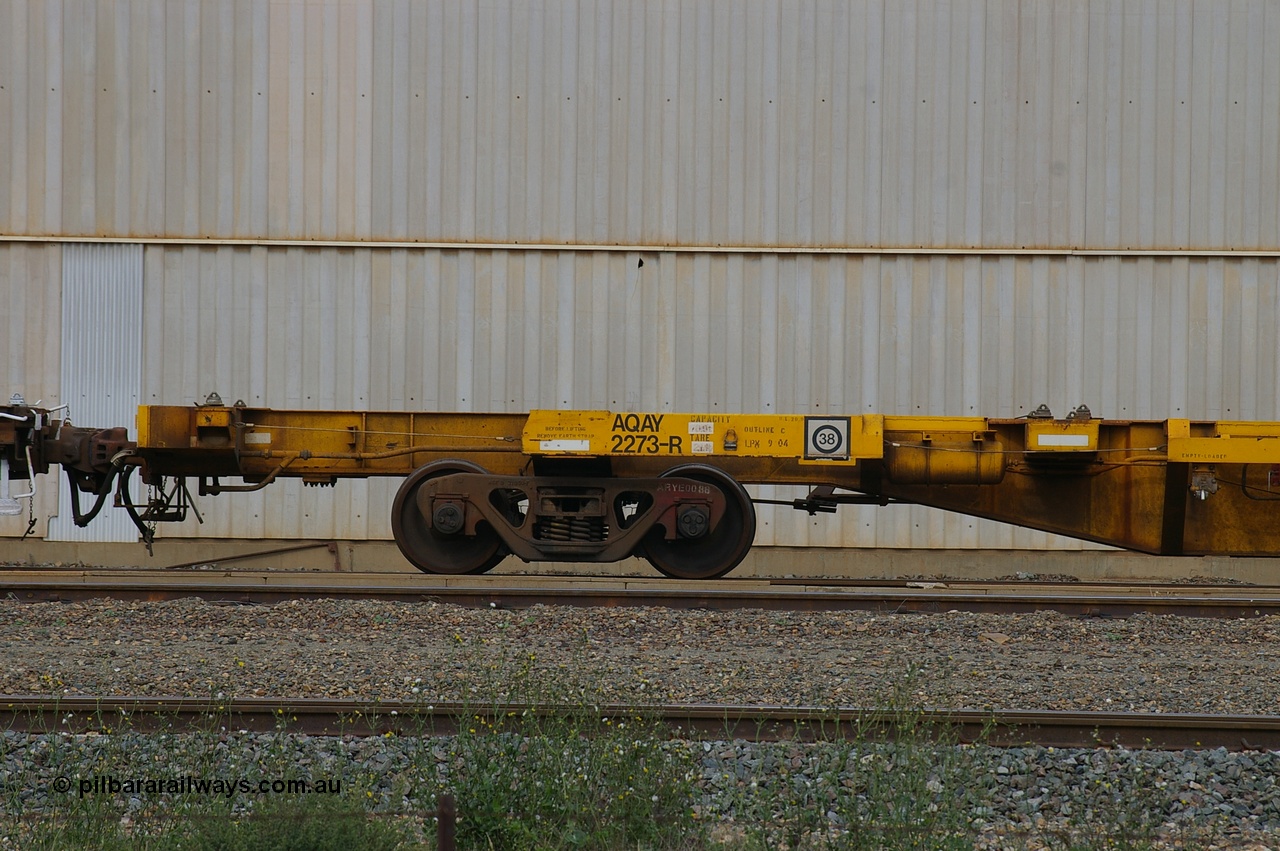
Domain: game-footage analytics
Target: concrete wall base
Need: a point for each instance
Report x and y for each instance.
(763, 562)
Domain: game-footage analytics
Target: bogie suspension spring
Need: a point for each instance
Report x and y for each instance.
(572, 529)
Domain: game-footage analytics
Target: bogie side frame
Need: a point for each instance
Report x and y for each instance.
(599, 486)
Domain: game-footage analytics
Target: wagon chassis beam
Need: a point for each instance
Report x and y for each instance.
(599, 486)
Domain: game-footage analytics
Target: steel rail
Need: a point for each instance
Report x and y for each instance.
(518, 592)
(326, 717)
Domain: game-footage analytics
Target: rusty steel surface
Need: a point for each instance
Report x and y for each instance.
(244, 587)
(327, 717)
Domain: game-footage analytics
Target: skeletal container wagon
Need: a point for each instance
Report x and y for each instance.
(599, 486)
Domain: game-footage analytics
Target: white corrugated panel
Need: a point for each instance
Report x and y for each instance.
(30, 285)
(1096, 124)
(1074, 123)
(101, 363)
(514, 330)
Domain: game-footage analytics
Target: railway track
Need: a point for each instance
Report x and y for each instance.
(515, 592)
(325, 717)
(706, 721)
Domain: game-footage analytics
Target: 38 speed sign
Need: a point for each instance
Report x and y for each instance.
(826, 438)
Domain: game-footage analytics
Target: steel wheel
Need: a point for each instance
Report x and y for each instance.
(427, 549)
(717, 552)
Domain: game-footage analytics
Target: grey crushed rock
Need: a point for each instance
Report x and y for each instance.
(1211, 798)
(436, 652)
(379, 650)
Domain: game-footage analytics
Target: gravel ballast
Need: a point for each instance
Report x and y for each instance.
(435, 652)
(377, 650)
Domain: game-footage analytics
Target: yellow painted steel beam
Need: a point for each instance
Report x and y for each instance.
(817, 440)
(1171, 486)
(321, 445)
(1224, 442)
(390, 443)
(1062, 435)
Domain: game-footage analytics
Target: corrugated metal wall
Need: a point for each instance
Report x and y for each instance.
(1083, 123)
(30, 316)
(729, 134)
(511, 330)
(101, 362)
